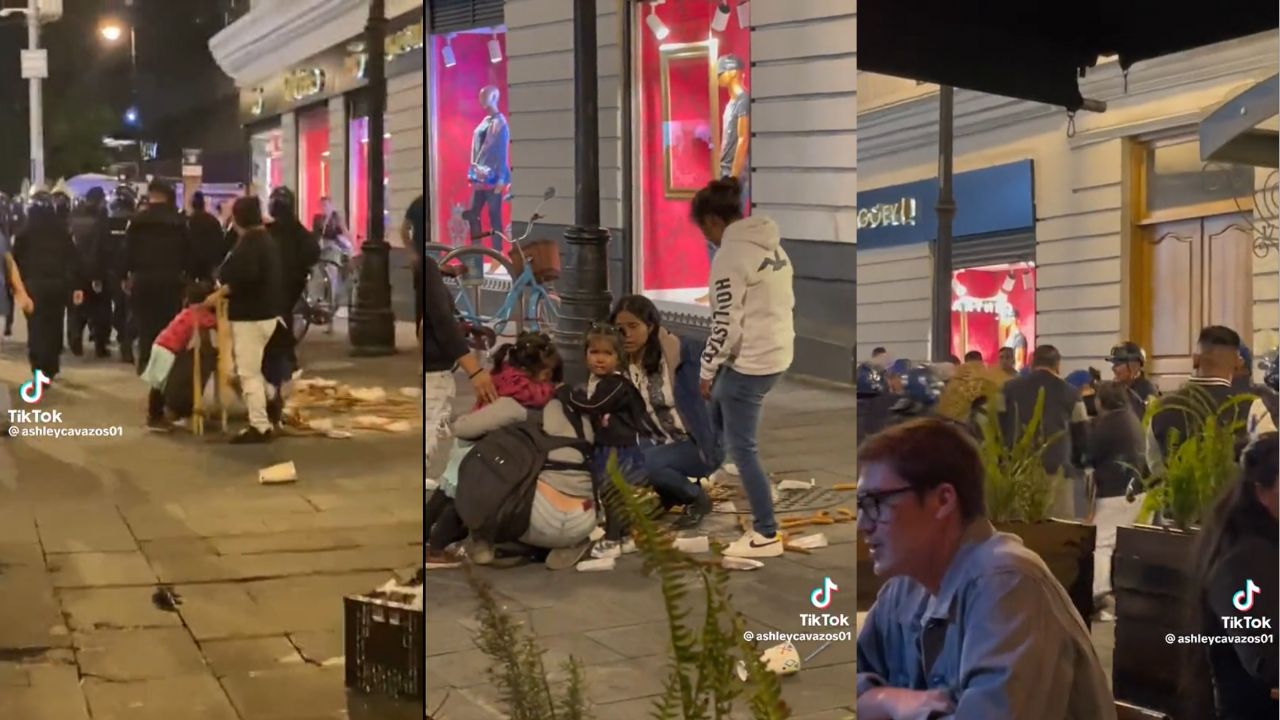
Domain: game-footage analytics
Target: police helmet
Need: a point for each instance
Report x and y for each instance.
(1127, 352)
(123, 199)
(922, 385)
(41, 204)
(282, 203)
(95, 196)
(871, 381)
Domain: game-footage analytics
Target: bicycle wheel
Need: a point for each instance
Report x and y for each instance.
(545, 313)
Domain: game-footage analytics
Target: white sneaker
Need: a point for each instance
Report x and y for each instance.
(754, 545)
(612, 548)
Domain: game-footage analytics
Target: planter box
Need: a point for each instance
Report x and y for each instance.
(1065, 546)
(1151, 574)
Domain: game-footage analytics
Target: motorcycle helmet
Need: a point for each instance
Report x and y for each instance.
(282, 204)
(923, 386)
(871, 381)
(1126, 352)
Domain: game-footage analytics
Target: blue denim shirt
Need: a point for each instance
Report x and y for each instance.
(1001, 637)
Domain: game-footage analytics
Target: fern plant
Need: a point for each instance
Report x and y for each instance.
(1198, 466)
(1018, 488)
(518, 670)
(703, 681)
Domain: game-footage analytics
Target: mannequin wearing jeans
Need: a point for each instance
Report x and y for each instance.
(490, 171)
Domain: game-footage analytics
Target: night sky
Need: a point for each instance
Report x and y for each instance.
(182, 96)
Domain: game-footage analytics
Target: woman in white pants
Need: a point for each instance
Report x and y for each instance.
(1116, 449)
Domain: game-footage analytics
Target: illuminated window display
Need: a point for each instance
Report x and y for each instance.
(358, 178)
(992, 308)
(313, 160)
(695, 126)
(470, 138)
(268, 161)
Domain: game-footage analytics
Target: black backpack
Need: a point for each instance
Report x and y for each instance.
(499, 475)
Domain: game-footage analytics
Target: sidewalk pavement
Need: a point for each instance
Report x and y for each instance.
(615, 622)
(89, 527)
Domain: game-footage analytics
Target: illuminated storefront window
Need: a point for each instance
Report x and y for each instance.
(313, 160)
(470, 138)
(694, 83)
(992, 308)
(358, 178)
(268, 161)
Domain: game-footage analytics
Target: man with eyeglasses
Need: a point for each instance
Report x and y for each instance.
(970, 624)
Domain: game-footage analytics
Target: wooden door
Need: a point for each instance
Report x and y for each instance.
(1200, 273)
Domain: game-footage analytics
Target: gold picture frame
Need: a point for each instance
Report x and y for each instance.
(678, 57)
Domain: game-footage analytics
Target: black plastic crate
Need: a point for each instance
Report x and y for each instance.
(385, 645)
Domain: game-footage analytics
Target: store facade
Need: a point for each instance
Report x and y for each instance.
(1121, 200)
(762, 91)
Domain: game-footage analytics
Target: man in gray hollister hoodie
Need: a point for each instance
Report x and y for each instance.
(751, 343)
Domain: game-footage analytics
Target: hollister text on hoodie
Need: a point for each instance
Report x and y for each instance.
(752, 302)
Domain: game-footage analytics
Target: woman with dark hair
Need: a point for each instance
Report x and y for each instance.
(664, 368)
(1237, 574)
(751, 342)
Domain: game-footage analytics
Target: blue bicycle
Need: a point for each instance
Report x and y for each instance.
(532, 265)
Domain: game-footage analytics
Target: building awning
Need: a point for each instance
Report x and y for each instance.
(1038, 51)
(1232, 132)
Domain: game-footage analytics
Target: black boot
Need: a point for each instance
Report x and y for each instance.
(126, 353)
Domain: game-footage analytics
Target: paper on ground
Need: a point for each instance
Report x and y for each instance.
(809, 542)
(597, 565)
(373, 395)
(276, 474)
(737, 563)
(698, 544)
(795, 485)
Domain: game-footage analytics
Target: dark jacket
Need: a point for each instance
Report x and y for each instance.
(111, 253)
(1244, 673)
(47, 257)
(89, 229)
(1063, 413)
(1173, 417)
(616, 411)
(1140, 392)
(252, 271)
(157, 248)
(1116, 449)
(442, 340)
(299, 252)
(209, 244)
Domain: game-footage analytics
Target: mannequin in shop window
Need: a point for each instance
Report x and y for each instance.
(490, 172)
(735, 134)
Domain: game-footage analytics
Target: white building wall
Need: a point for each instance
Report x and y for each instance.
(804, 117)
(406, 172)
(1078, 192)
(540, 83)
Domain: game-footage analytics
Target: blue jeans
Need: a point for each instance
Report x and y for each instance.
(737, 401)
(669, 468)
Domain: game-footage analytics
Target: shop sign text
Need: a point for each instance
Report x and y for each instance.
(400, 43)
(900, 213)
(998, 306)
(301, 84)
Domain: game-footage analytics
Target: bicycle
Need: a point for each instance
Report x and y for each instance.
(330, 286)
(531, 264)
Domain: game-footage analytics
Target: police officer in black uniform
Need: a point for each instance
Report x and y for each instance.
(90, 231)
(111, 258)
(299, 250)
(158, 265)
(47, 260)
(875, 401)
(1128, 364)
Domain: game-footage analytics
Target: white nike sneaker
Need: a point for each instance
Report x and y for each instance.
(612, 548)
(754, 545)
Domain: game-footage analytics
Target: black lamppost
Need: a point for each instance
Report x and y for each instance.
(584, 283)
(946, 209)
(372, 325)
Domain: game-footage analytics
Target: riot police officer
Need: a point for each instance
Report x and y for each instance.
(111, 258)
(1128, 364)
(90, 231)
(157, 265)
(299, 249)
(49, 265)
(875, 401)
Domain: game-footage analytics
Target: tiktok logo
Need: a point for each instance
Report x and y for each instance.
(1243, 600)
(821, 597)
(33, 389)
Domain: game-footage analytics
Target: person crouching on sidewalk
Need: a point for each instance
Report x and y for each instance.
(170, 343)
(251, 282)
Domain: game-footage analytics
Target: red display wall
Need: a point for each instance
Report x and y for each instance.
(987, 304)
(673, 251)
(358, 180)
(313, 153)
(455, 112)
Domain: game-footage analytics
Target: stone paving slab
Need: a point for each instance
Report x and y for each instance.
(95, 569)
(53, 693)
(87, 531)
(114, 608)
(191, 697)
(302, 693)
(243, 656)
(144, 654)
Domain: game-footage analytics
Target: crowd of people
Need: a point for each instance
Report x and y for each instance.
(153, 274)
(971, 623)
(666, 411)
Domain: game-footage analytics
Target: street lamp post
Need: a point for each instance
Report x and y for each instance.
(37, 98)
(372, 327)
(946, 209)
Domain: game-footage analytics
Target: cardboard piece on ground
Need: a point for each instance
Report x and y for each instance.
(278, 474)
(692, 545)
(597, 565)
(737, 563)
(373, 395)
(795, 485)
(809, 542)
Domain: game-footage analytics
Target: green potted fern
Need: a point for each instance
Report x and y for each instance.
(1020, 496)
(1152, 562)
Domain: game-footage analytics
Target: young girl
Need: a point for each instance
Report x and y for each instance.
(170, 343)
(618, 421)
(528, 372)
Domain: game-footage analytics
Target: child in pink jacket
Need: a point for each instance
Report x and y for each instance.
(174, 340)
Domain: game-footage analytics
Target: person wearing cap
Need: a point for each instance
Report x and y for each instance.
(1215, 361)
(1128, 366)
(158, 263)
(90, 231)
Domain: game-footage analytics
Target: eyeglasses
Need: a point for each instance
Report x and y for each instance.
(873, 503)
